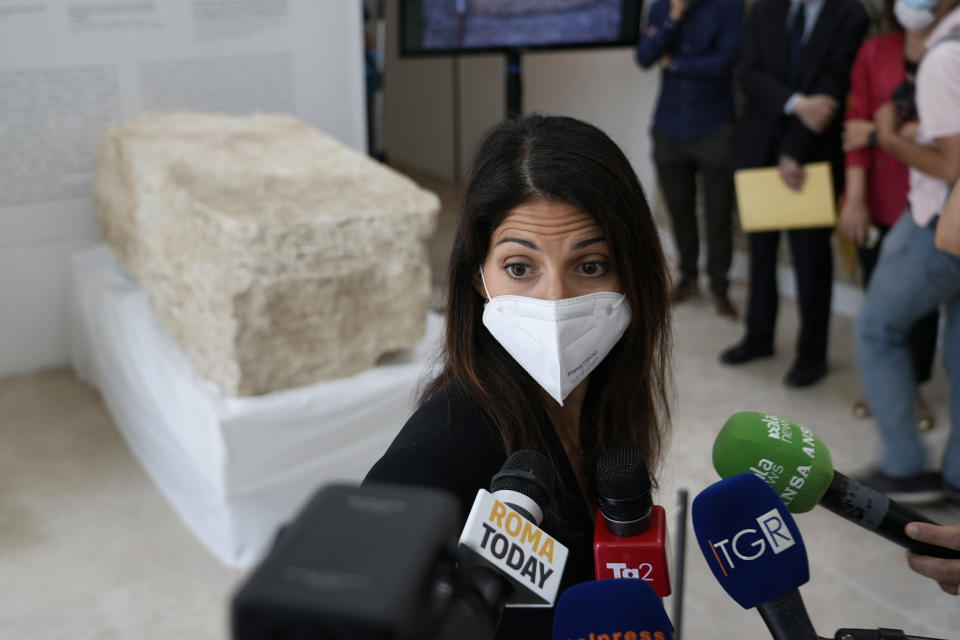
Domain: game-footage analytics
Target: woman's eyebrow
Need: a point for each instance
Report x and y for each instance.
(588, 242)
(520, 241)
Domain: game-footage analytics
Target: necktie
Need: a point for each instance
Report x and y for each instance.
(795, 38)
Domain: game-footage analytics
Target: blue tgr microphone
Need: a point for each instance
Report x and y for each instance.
(605, 609)
(749, 540)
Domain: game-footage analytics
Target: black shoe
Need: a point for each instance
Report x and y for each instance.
(921, 488)
(804, 375)
(744, 352)
(952, 494)
(723, 308)
(687, 288)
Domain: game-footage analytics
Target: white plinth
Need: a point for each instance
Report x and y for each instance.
(233, 468)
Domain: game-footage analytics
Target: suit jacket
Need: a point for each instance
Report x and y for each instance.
(763, 132)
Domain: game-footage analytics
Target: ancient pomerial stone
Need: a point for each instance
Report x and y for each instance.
(273, 254)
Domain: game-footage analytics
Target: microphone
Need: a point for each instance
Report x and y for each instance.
(630, 535)
(607, 609)
(875, 634)
(755, 551)
(506, 557)
(797, 464)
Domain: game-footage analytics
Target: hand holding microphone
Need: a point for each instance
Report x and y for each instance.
(754, 549)
(945, 572)
(797, 465)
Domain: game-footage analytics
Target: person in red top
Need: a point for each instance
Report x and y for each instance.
(877, 182)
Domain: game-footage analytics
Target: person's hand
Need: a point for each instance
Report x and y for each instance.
(816, 111)
(678, 8)
(665, 61)
(945, 572)
(791, 172)
(854, 221)
(910, 130)
(856, 134)
(887, 120)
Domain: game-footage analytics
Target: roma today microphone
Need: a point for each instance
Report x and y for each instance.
(611, 610)
(797, 464)
(630, 534)
(754, 549)
(509, 559)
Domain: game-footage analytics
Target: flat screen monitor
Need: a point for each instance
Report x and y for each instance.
(473, 26)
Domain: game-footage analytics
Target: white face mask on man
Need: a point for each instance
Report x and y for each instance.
(557, 342)
(914, 15)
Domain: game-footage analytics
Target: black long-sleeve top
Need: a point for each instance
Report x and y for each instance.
(447, 444)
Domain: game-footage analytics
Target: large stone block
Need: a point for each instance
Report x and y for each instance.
(274, 255)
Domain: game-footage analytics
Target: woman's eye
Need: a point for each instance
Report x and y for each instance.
(594, 269)
(517, 270)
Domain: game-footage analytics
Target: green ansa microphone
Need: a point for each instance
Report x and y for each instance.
(797, 464)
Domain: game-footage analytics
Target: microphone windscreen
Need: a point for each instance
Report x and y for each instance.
(788, 457)
(528, 472)
(613, 609)
(749, 540)
(623, 485)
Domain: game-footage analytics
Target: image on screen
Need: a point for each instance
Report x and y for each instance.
(444, 26)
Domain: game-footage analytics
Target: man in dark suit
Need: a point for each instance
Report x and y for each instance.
(794, 73)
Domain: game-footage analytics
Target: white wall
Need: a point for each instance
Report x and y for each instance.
(419, 107)
(68, 69)
(602, 86)
(438, 107)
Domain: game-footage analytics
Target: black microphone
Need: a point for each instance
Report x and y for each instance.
(875, 634)
(875, 511)
(506, 559)
(630, 534)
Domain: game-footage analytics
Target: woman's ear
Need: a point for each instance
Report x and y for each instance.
(478, 283)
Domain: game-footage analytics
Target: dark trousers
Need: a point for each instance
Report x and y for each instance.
(678, 162)
(923, 333)
(813, 266)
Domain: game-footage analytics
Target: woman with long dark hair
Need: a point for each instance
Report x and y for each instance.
(554, 225)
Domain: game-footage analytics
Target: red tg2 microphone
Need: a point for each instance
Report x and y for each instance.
(630, 537)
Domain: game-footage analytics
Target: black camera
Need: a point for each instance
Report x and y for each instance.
(372, 562)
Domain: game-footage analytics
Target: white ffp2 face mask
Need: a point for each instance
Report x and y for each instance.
(914, 15)
(557, 342)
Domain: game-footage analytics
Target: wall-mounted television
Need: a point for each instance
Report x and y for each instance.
(430, 27)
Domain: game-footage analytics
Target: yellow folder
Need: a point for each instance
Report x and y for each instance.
(765, 203)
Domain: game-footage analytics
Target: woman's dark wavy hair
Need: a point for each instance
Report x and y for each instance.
(627, 399)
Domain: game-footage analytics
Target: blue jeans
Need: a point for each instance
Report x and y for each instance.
(912, 277)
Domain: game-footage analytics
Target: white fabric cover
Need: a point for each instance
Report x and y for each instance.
(233, 468)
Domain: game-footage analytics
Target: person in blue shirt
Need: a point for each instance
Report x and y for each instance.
(695, 43)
